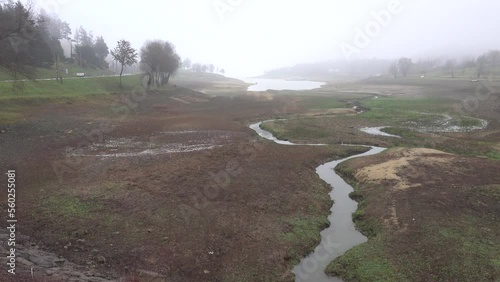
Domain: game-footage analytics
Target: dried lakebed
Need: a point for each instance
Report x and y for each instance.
(342, 234)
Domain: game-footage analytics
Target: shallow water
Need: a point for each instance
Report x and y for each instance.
(378, 131)
(261, 84)
(342, 234)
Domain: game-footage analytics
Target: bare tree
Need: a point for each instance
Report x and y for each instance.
(404, 65)
(125, 55)
(467, 63)
(393, 69)
(449, 67)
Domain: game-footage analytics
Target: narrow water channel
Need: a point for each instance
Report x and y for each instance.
(342, 234)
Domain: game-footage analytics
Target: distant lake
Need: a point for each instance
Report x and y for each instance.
(281, 84)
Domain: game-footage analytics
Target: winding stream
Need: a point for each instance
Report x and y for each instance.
(342, 234)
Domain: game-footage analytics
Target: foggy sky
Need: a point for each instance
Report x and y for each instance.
(258, 35)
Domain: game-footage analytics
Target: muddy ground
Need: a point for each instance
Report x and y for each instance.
(172, 185)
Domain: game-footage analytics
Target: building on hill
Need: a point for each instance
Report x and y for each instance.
(67, 46)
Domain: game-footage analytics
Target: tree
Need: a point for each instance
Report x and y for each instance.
(449, 67)
(393, 69)
(494, 57)
(425, 65)
(17, 24)
(102, 51)
(186, 64)
(159, 61)
(196, 67)
(65, 30)
(125, 55)
(481, 65)
(467, 63)
(404, 65)
(211, 68)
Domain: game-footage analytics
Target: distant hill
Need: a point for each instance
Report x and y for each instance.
(331, 70)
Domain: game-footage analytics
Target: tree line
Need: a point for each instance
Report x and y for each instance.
(29, 40)
(199, 68)
(483, 65)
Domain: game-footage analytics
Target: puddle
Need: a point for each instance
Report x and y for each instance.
(447, 123)
(163, 143)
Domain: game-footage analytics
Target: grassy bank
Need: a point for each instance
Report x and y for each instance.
(13, 105)
(458, 246)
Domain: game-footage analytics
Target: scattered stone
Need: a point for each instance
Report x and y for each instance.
(101, 259)
(206, 271)
(150, 230)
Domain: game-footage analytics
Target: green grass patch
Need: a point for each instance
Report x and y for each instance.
(305, 229)
(323, 103)
(69, 207)
(494, 155)
(36, 93)
(365, 262)
(305, 130)
(491, 191)
(71, 87)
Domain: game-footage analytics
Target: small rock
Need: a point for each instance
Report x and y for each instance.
(59, 261)
(150, 230)
(206, 271)
(80, 241)
(101, 259)
(24, 261)
(42, 260)
(165, 238)
(95, 251)
(52, 271)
